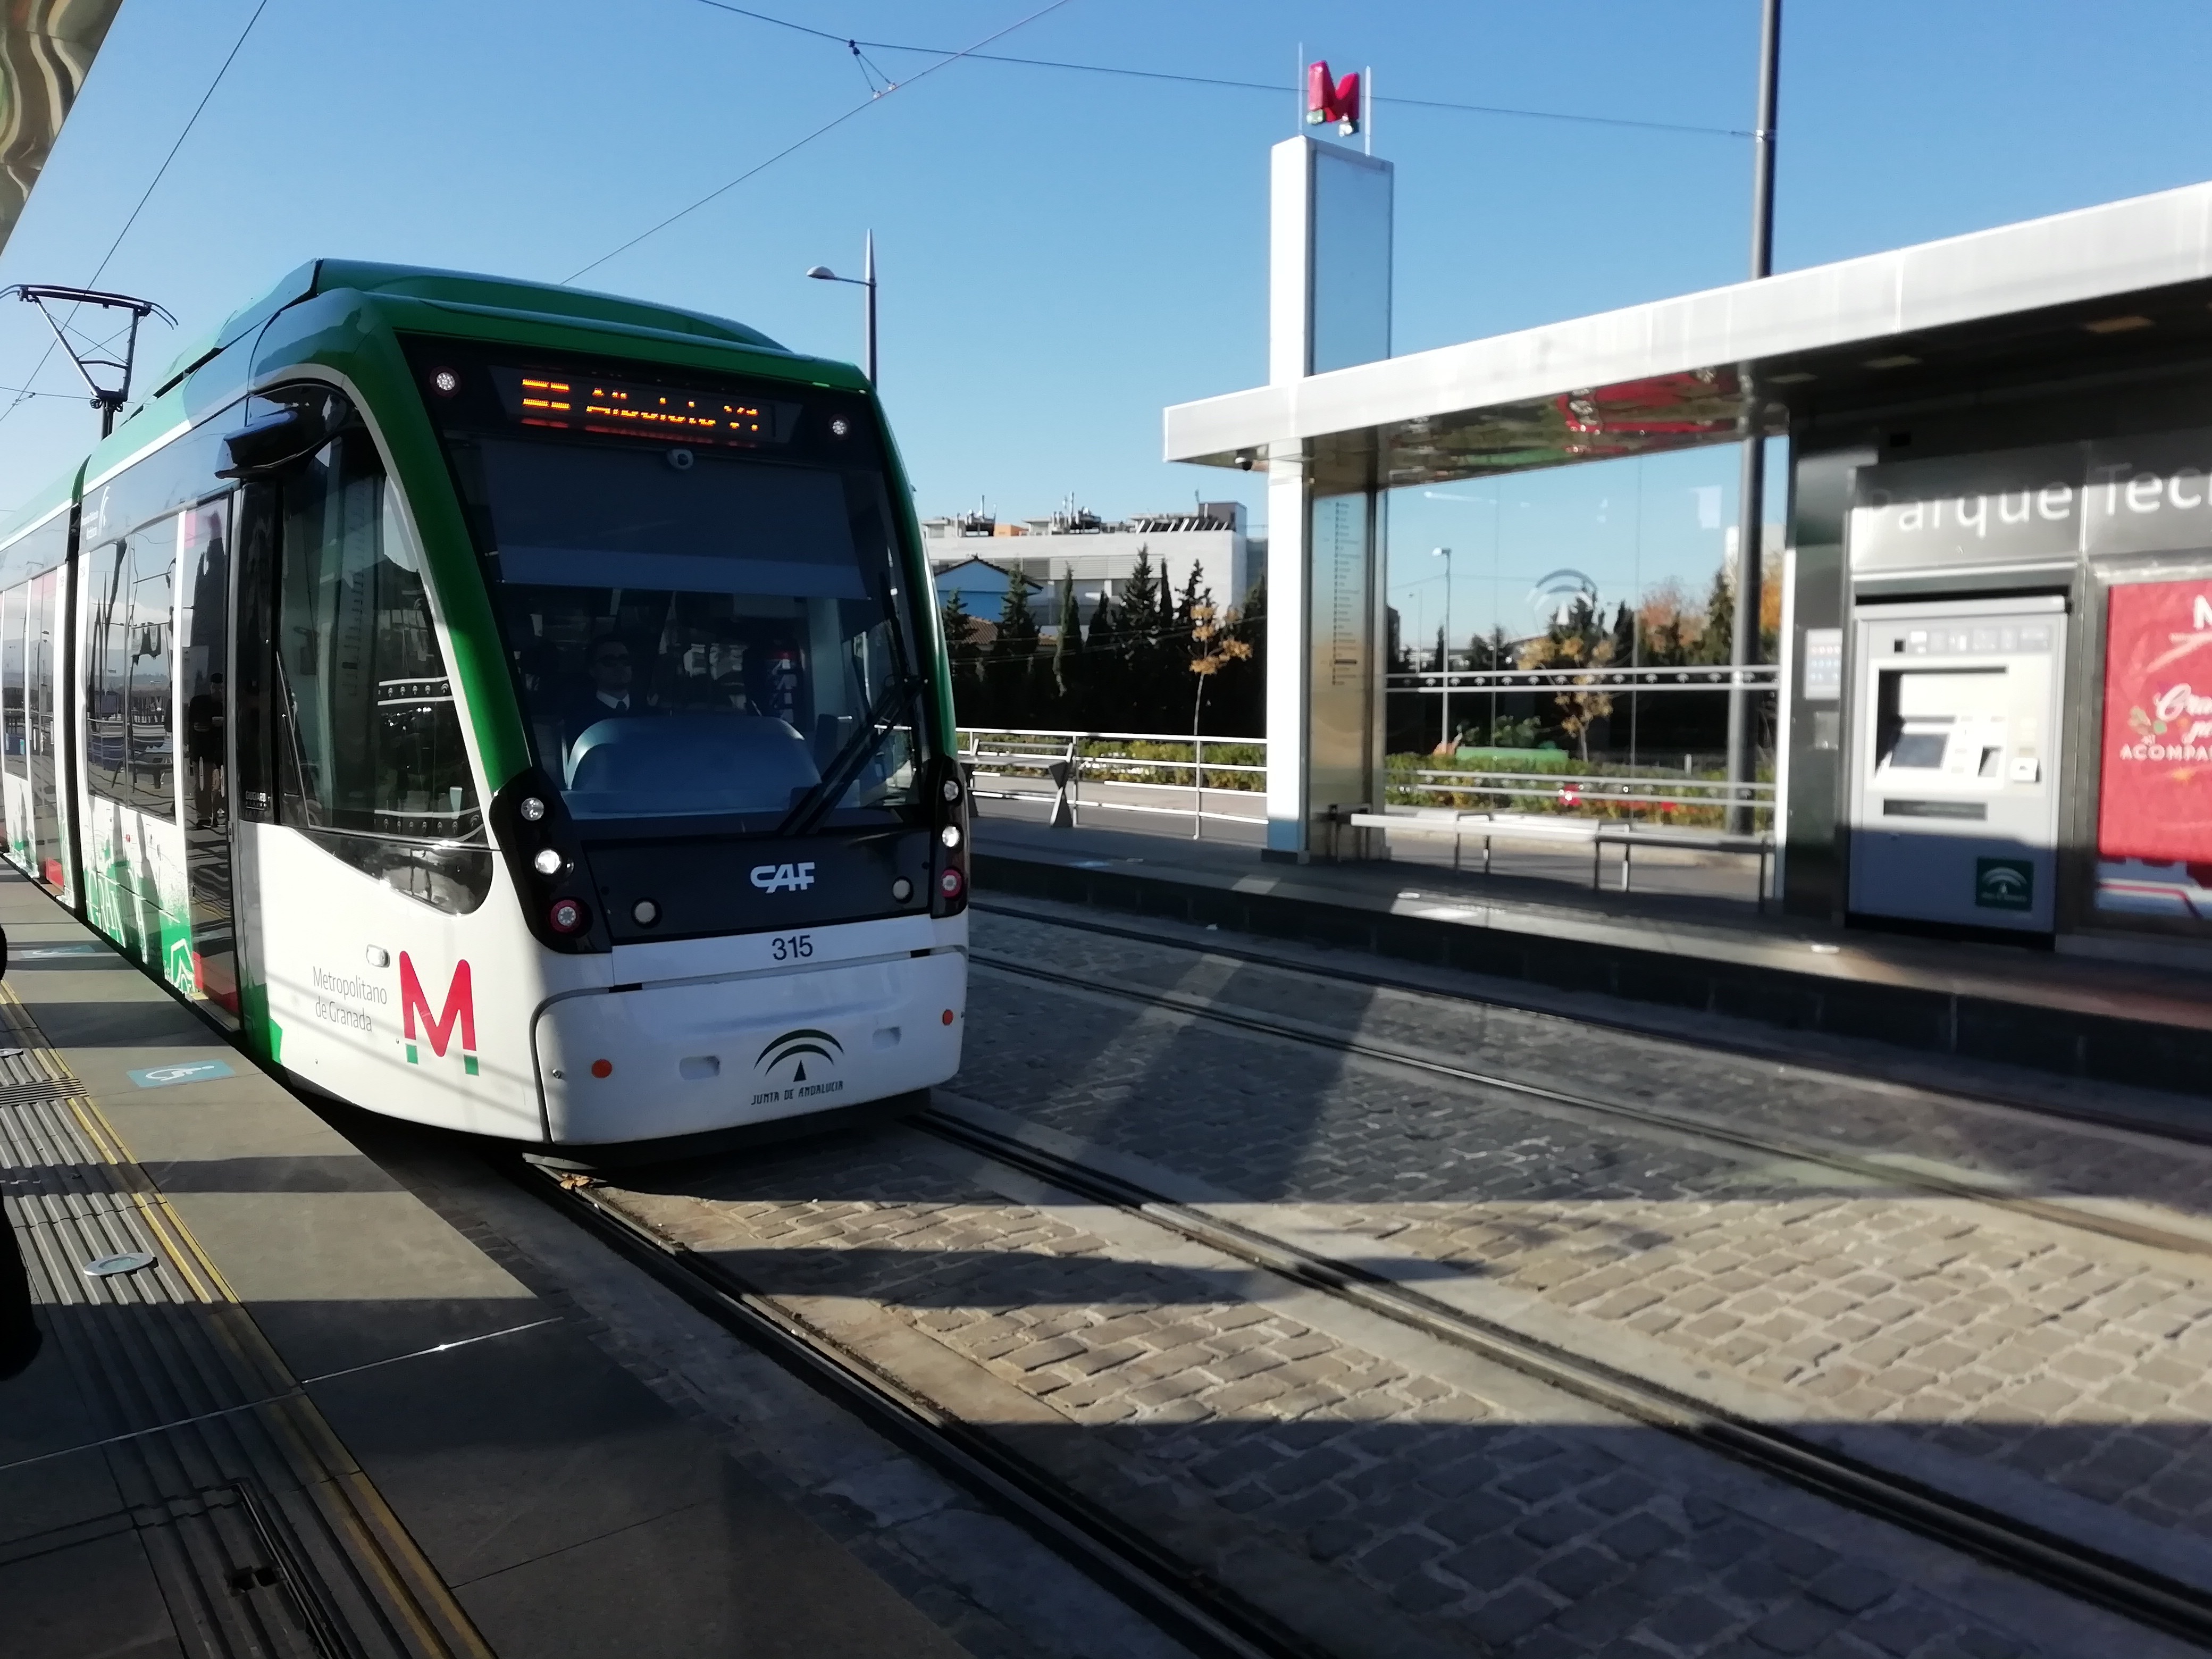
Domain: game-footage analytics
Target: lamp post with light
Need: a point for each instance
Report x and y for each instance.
(866, 280)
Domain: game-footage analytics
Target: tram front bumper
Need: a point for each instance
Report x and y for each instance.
(685, 1058)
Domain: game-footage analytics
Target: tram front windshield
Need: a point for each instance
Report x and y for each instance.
(708, 622)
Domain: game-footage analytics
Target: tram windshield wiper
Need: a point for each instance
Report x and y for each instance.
(896, 697)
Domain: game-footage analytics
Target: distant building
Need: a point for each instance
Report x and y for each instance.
(976, 555)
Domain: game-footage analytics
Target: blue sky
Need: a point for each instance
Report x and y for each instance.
(1063, 253)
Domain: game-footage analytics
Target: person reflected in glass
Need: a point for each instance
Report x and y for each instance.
(726, 663)
(203, 747)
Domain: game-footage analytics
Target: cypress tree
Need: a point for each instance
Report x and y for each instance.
(1013, 653)
(1068, 656)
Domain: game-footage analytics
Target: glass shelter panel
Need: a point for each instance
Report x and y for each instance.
(1538, 590)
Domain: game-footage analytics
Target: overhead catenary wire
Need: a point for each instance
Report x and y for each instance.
(801, 143)
(1273, 89)
(24, 394)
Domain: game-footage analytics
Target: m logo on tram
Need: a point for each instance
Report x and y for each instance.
(460, 1009)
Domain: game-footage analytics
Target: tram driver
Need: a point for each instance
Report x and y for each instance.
(611, 696)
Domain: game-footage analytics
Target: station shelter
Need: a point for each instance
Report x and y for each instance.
(1995, 690)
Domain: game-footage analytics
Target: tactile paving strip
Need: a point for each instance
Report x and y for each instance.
(264, 1536)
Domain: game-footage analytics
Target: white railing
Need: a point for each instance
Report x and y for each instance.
(1058, 763)
(1062, 762)
(1599, 678)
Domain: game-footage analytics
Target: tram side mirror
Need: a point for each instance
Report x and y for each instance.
(263, 448)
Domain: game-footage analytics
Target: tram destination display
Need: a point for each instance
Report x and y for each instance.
(688, 414)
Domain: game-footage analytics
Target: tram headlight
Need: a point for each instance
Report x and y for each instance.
(951, 790)
(950, 835)
(901, 889)
(533, 810)
(547, 863)
(445, 382)
(568, 915)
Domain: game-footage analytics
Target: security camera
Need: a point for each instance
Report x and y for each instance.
(1245, 459)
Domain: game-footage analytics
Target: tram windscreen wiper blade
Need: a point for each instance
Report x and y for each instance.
(838, 775)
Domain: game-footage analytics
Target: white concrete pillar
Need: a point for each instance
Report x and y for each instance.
(1328, 307)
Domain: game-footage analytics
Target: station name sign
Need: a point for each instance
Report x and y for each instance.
(2051, 505)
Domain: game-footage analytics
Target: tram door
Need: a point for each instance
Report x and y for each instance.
(252, 781)
(42, 702)
(14, 752)
(202, 725)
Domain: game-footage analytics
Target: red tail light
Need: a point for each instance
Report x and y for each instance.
(568, 915)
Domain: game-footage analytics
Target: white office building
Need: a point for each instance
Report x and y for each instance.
(976, 556)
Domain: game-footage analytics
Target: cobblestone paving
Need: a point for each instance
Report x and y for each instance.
(2081, 1360)
(1531, 1539)
(2048, 1153)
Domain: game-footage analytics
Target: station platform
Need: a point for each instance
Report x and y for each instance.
(316, 1419)
(1654, 957)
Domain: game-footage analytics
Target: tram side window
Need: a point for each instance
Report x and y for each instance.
(129, 756)
(371, 763)
(13, 607)
(152, 627)
(107, 672)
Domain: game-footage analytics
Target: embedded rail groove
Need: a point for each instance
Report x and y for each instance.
(2136, 1593)
(1206, 1617)
(1773, 1146)
(1771, 1049)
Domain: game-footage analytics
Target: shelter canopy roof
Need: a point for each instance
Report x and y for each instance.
(2114, 290)
(46, 49)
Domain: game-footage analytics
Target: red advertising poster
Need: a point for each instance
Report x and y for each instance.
(2154, 808)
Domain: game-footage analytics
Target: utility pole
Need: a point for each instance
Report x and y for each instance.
(1443, 650)
(1743, 644)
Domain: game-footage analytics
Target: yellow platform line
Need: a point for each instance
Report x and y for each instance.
(412, 1586)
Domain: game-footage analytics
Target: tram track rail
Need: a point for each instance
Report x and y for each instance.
(1770, 1051)
(1209, 1619)
(1916, 1175)
(2140, 1594)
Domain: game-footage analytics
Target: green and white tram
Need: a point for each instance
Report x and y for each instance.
(504, 708)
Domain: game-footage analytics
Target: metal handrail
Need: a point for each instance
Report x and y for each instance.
(1613, 676)
(1064, 762)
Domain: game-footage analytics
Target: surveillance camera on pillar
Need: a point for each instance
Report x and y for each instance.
(1329, 100)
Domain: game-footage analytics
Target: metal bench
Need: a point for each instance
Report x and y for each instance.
(1598, 833)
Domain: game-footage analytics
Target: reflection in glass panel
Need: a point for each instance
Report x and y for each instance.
(1607, 565)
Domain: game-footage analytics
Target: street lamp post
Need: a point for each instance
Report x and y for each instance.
(1443, 653)
(866, 280)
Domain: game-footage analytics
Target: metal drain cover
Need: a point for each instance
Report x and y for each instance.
(109, 1265)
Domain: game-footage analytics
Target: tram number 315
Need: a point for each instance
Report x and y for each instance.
(792, 947)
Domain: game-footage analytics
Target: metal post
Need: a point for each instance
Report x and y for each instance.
(1443, 653)
(1198, 783)
(1743, 646)
(868, 278)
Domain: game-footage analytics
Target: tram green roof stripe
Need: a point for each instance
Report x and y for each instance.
(59, 493)
(506, 294)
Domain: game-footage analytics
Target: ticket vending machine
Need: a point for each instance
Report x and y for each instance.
(1955, 760)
